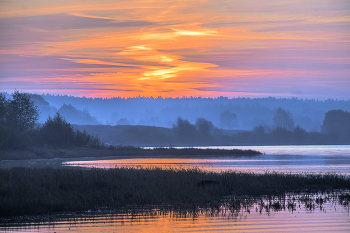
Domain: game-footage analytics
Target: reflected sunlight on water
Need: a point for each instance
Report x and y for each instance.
(287, 159)
(304, 213)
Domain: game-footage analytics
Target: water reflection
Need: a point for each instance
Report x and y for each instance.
(287, 159)
(302, 212)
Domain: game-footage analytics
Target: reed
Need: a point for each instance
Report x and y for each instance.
(30, 191)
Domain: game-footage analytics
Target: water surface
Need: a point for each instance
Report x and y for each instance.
(301, 213)
(287, 159)
(266, 215)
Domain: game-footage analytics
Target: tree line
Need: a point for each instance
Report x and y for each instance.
(334, 130)
(19, 128)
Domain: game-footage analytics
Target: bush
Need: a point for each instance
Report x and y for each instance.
(83, 139)
(57, 132)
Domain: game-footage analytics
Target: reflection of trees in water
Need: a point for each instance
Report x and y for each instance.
(290, 202)
(239, 206)
(236, 207)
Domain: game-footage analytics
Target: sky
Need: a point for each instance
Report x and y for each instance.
(207, 48)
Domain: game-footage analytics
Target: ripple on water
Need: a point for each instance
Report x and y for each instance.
(289, 213)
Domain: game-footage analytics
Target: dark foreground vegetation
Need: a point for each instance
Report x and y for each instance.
(30, 191)
(19, 129)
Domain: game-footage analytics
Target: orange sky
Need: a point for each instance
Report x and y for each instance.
(177, 48)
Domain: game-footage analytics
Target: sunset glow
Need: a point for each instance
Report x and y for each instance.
(176, 48)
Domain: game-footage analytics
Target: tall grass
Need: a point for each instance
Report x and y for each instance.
(26, 191)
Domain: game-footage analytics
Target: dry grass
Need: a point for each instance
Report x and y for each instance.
(46, 190)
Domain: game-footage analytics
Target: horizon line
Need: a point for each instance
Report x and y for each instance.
(182, 97)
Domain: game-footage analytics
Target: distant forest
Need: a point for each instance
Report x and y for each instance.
(188, 120)
(223, 112)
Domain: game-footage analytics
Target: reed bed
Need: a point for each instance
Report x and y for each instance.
(30, 191)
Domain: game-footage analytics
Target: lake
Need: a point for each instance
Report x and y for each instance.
(287, 159)
(303, 213)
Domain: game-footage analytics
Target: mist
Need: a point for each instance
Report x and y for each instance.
(249, 112)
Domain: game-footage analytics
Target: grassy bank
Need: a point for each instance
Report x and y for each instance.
(25, 191)
(50, 153)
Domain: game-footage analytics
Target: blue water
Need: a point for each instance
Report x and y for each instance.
(286, 159)
(330, 216)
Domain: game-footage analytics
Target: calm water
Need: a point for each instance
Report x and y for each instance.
(297, 213)
(293, 213)
(290, 159)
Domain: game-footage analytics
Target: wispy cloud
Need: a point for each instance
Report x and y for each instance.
(176, 48)
(323, 27)
(66, 21)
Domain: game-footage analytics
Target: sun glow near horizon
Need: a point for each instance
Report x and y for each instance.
(176, 48)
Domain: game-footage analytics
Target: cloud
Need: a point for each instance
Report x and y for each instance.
(17, 66)
(180, 48)
(328, 26)
(175, 33)
(249, 23)
(66, 21)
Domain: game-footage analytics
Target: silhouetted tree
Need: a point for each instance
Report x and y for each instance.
(204, 127)
(337, 122)
(57, 132)
(3, 108)
(17, 117)
(228, 119)
(5, 132)
(281, 135)
(184, 129)
(84, 139)
(283, 119)
(300, 134)
(22, 112)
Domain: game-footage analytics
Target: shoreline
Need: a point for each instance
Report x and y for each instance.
(58, 162)
(42, 157)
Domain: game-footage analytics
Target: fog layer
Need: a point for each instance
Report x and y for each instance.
(224, 113)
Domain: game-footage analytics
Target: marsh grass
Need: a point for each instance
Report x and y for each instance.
(30, 191)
